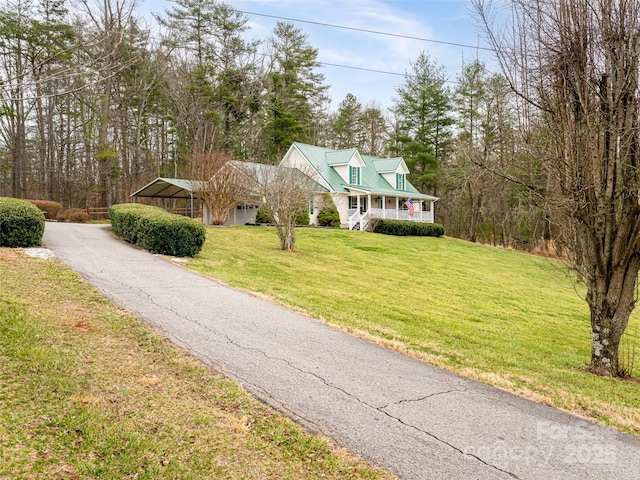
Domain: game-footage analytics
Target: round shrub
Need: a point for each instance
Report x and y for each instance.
(52, 209)
(328, 215)
(302, 219)
(21, 223)
(261, 217)
(75, 215)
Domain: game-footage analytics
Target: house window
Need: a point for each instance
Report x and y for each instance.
(400, 181)
(311, 207)
(353, 203)
(354, 175)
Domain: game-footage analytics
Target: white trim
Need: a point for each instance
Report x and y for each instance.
(304, 165)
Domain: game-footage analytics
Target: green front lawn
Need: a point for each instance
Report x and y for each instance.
(513, 320)
(89, 392)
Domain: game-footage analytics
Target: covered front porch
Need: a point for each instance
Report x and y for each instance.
(365, 206)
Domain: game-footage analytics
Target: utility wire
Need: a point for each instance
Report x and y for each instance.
(376, 32)
(326, 64)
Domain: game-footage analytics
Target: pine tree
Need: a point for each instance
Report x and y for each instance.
(374, 132)
(296, 92)
(423, 112)
(347, 126)
(218, 106)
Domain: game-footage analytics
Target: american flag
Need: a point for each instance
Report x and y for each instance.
(409, 204)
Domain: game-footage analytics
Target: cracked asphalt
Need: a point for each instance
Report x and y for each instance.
(412, 419)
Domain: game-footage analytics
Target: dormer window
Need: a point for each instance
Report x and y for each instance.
(400, 181)
(354, 175)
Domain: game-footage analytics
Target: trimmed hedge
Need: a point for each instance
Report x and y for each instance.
(74, 215)
(21, 223)
(404, 227)
(301, 220)
(156, 230)
(53, 209)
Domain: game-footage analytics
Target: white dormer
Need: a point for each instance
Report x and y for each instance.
(348, 164)
(394, 171)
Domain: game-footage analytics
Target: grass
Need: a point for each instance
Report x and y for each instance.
(512, 320)
(88, 392)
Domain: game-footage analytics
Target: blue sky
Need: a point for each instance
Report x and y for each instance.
(442, 20)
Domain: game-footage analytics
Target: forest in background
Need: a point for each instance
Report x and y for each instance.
(95, 103)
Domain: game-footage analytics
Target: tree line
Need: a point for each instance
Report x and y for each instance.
(94, 103)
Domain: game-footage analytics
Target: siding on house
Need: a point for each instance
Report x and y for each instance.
(376, 179)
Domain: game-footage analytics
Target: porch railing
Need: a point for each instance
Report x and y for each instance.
(354, 216)
(358, 219)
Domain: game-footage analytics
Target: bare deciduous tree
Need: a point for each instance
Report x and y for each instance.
(285, 193)
(222, 184)
(576, 62)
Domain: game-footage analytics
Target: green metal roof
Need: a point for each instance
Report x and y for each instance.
(261, 172)
(339, 157)
(316, 156)
(371, 180)
(181, 188)
(387, 165)
(257, 171)
(167, 188)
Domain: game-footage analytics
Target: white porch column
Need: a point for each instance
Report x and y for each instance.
(358, 205)
(397, 208)
(384, 207)
(368, 202)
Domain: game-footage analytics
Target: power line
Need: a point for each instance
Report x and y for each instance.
(366, 31)
(363, 69)
(326, 64)
(376, 32)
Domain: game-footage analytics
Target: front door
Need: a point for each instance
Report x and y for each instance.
(353, 203)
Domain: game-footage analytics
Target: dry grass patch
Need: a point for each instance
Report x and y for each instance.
(89, 392)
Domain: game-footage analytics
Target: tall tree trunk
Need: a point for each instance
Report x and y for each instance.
(579, 62)
(42, 187)
(611, 302)
(19, 162)
(104, 155)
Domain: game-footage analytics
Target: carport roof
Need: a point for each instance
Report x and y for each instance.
(167, 188)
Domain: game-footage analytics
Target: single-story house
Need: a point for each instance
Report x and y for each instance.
(245, 211)
(187, 190)
(362, 187)
(259, 174)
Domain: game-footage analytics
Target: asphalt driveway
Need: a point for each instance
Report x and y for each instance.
(413, 419)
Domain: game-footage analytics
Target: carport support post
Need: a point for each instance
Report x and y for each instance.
(191, 195)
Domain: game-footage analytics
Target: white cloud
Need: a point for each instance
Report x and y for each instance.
(436, 20)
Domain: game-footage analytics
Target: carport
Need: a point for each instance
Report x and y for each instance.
(169, 188)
